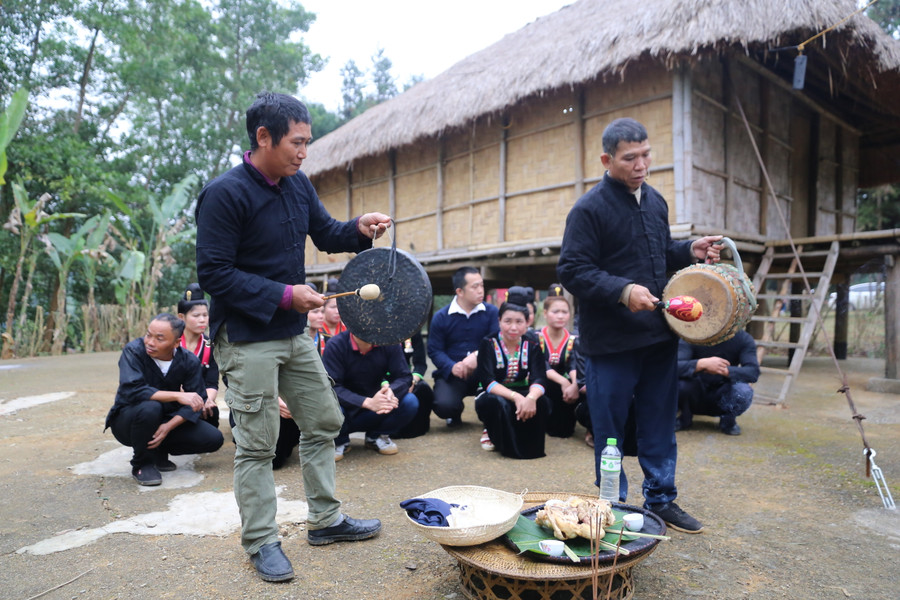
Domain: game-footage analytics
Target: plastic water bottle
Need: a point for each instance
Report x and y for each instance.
(610, 468)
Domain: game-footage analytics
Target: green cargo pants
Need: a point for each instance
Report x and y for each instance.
(257, 374)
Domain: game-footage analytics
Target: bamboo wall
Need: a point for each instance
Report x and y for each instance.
(508, 180)
(729, 189)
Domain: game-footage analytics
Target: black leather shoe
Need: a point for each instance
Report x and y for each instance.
(271, 563)
(348, 530)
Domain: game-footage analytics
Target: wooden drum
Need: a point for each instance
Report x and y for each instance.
(727, 296)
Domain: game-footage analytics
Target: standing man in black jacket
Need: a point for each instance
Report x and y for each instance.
(160, 401)
(252, 227)
(615, 257)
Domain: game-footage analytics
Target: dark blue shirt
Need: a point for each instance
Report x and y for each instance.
(358, 376)
(740, 351)
(452, 337)
(251, 243)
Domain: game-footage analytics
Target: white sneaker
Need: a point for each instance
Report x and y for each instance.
(383, 443)
(340, 450)
(486, 443)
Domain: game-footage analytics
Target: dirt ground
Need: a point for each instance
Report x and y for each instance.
(787, 508)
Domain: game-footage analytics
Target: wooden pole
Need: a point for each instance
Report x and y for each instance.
(892, 318)
(579, 142)
(841, 320)
(392, 184)
(501, 208)
(439, 218)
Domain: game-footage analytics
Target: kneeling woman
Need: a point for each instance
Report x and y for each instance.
(513, 406)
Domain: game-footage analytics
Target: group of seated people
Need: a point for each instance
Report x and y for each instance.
(527, 383)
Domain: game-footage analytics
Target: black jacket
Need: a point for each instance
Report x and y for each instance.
(251, 243)
(140, 378)
(740, 351)
(609, 242)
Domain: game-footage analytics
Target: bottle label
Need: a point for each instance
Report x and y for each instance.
(610, 463)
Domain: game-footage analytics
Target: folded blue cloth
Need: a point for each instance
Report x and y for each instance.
(428, 511)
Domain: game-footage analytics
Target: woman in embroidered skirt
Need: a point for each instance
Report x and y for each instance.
(512, 370)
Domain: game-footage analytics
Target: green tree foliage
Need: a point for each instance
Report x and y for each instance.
(887, 14)
(323, 121)
(353, 91)
(382, 80)
(135, 97)
(139, 103)
(361, 90)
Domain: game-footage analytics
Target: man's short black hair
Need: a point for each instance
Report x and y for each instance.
(622, 130)
(173, 321)
(275, 112)
(459, 277)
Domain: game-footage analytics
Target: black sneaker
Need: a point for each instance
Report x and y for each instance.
(675, 518)
(146, 475)
(454, 421)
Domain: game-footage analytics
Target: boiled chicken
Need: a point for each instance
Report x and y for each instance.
(576, 517)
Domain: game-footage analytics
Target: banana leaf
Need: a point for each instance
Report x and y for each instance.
(527, 535)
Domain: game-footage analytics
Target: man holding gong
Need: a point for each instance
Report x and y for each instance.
(252, 224)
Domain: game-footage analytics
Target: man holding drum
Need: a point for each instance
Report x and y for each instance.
(615, 255)
(252, 225)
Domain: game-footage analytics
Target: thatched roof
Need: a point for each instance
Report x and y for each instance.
(584, 41)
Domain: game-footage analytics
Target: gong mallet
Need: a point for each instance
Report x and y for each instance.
(683, 308)
(370, 291)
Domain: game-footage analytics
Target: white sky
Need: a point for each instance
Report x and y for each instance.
(420, 37)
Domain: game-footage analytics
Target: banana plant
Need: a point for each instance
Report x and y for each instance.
(138, 274)
(26, 220)
(94, 253)
(10, 119)
(64, 251)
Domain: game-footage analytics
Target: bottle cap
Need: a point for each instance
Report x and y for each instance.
(610, 441)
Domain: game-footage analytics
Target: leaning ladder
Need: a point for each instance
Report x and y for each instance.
(812, 303)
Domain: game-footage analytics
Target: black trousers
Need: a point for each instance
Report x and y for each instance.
(288, 438)
(135, 425)
(563, 415)
(421, 423)
(449, 394)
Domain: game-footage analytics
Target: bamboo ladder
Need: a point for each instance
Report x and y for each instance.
(812, 304)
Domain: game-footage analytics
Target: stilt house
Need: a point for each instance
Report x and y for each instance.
(481, 164)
